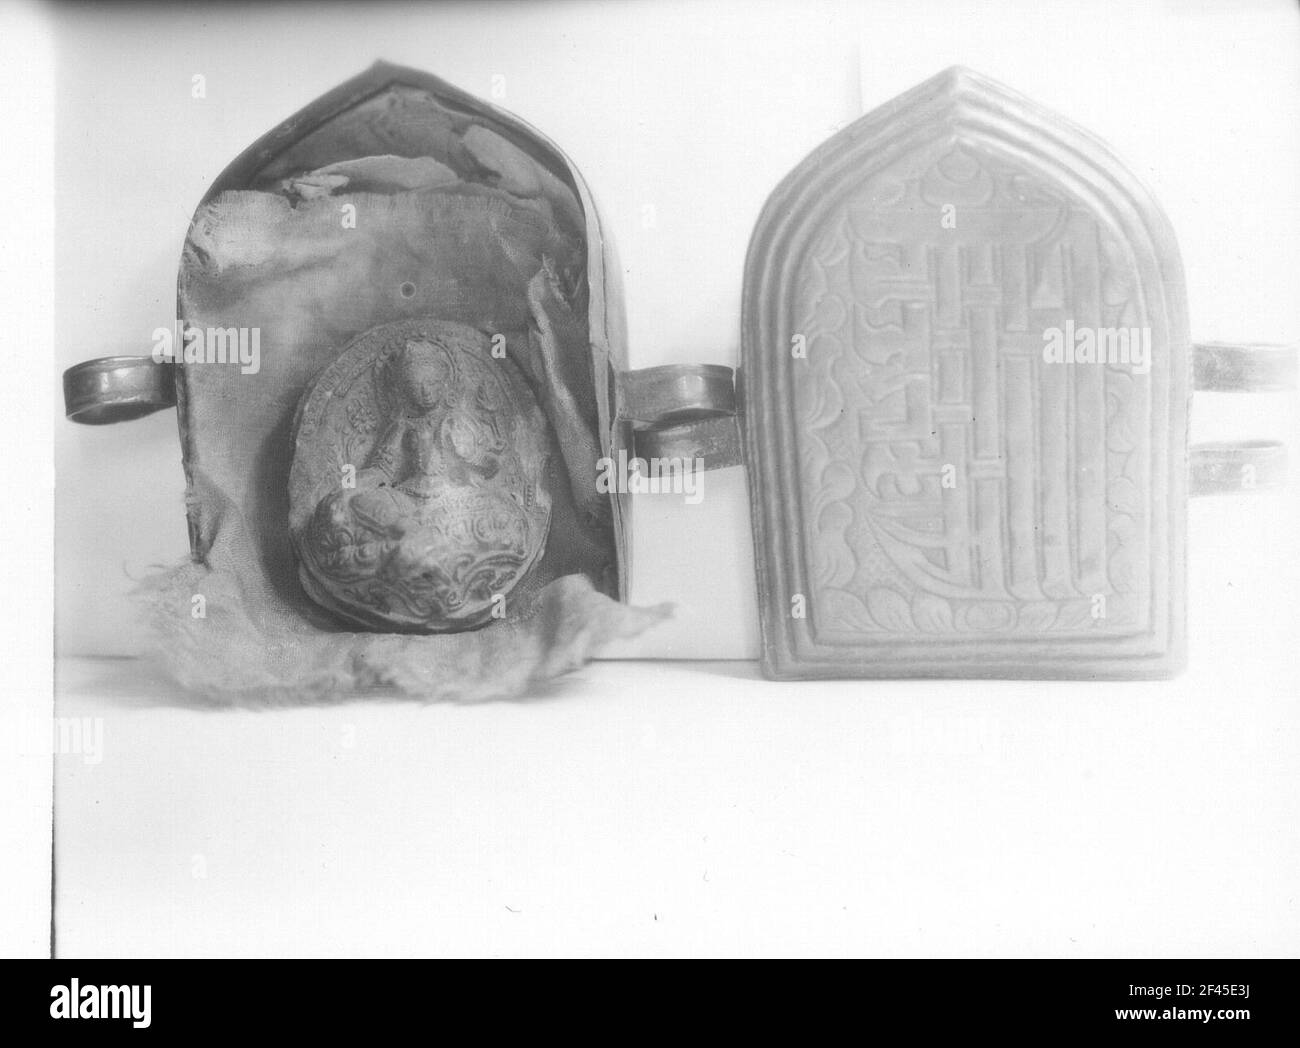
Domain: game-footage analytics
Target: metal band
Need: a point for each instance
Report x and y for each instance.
(1220, 469)
(117, 389)
(1221, 367)
(677, 393)
(716, 441)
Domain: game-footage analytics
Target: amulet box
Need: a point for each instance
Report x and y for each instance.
(963, 399)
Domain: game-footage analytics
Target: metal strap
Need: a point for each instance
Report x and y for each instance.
(117, 389)
(1225, 468)
(1222, 367)
(677, 393)
(712, 442)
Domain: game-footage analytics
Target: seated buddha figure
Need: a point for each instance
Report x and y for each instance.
(442, 519)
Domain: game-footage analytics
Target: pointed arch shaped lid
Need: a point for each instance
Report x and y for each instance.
(965, 361)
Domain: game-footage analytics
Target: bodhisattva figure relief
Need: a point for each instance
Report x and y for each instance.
(447, 510)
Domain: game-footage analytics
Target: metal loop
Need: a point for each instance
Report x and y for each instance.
(1222, 367)
(715, 442)
(117, 389)
(676, 393)
(1225, 468)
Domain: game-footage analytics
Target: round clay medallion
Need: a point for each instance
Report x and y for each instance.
(417, 495)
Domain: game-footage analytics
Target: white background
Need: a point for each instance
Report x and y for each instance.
(857, 817)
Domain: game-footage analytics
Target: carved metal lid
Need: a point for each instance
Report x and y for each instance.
(935, 489)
